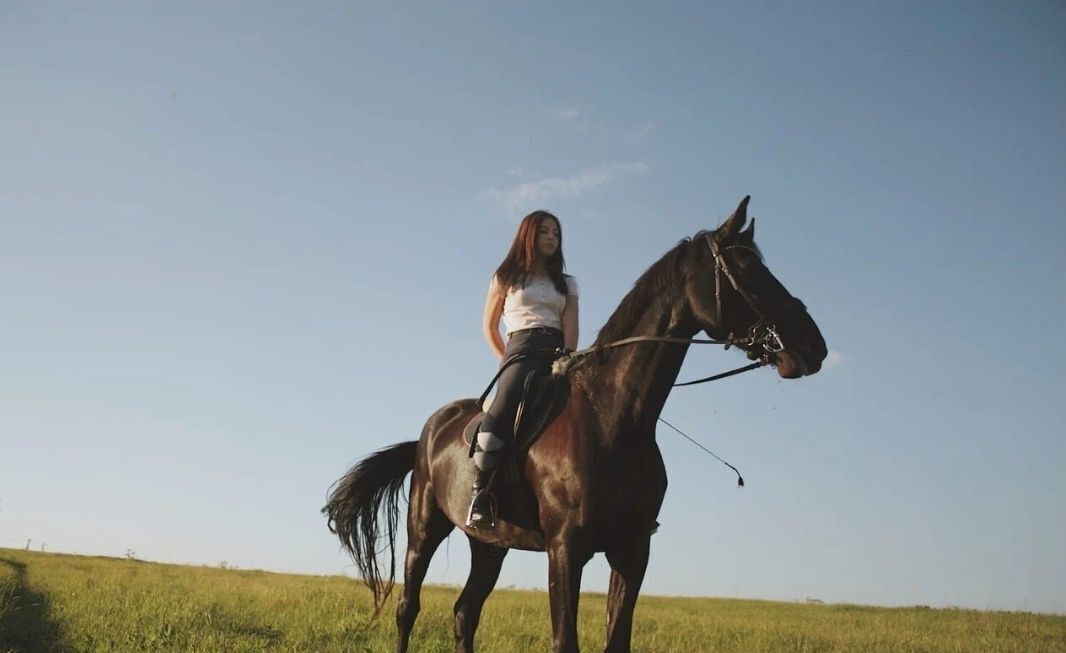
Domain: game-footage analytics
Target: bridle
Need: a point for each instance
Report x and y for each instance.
(762, 340)
(763, 333)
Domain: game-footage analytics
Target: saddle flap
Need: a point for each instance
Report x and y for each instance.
(543, 398)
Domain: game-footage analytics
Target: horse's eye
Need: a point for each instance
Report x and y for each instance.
(746, 261)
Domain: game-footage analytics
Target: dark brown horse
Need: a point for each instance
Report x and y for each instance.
(594, 481)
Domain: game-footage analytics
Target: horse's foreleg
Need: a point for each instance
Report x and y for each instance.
(427, 526)
(485, 563)
(566, 561)
(628, 564)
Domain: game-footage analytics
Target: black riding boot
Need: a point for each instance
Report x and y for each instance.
(487, 450)
(482, 513)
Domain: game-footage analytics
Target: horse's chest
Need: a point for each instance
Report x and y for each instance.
(625, 490)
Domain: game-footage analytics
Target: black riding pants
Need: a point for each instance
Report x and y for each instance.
(541, 342)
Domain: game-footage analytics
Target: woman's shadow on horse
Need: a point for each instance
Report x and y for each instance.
(594, 480)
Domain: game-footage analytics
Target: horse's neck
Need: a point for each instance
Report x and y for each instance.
(630, 387)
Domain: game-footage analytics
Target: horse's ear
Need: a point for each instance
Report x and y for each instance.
(749, 232)
(734, 222)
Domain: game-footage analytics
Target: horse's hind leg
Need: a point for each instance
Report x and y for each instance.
(485, 563)
(427, 526)
(628, 563)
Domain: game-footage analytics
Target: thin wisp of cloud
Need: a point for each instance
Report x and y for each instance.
(566, 114)
(530, 194)
(643, 131)
(833, 359)
(572, 117)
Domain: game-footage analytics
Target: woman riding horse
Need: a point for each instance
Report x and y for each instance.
(594, 479)
(538, 304)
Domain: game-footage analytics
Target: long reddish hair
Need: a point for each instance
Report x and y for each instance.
(518, 264)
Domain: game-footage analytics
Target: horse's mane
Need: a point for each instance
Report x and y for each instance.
(661, 280)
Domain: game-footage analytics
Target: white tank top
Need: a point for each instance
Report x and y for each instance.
(538, 304)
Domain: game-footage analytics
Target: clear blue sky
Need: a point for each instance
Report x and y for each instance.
(244, 244)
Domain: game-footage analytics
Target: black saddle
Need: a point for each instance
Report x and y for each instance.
(543, 398)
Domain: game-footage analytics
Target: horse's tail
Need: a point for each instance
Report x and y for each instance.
(355, 501)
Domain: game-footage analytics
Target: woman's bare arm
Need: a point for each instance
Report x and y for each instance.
(490, 321)
(569, 320)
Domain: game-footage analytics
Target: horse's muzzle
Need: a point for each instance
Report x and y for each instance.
(796, 362)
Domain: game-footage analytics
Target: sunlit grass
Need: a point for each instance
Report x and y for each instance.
(63, 603)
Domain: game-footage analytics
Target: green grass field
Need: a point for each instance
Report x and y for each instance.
(65, 603)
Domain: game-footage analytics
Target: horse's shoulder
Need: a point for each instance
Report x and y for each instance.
(575, 423)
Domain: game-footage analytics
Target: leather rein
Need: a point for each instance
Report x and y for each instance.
(762, 333)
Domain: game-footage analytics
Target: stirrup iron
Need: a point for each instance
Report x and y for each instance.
(483, 521)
